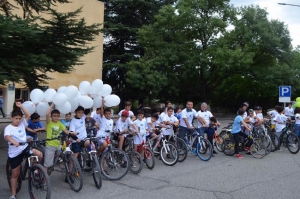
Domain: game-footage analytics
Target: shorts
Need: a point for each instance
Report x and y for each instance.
(30, 137)
(76, 146)
(272, 126)
(149, 135)
(49, 155)
(16, 161)
(101, 141)
(138, 139)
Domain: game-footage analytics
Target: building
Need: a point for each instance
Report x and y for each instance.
(93, 12)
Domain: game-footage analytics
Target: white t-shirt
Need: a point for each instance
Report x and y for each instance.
(171, 118)
(297, 117)
(106, 125)
(282, 119)
(289, 111)
(18, 134)
(130, 113)
(245, 115)
(273, 113)
(142, 126)
(148, 120)
(97, 118)
(189, 115)
(121, 126)
(252, 120)
(93, 114)
(78, 126)
(206, 115)
(260, 116)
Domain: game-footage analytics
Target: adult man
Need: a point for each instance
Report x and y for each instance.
(203, 117)
(186, 120)
(1, 106)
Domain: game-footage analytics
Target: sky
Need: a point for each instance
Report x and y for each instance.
(290, 15)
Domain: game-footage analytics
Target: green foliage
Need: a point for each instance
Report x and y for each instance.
(32, 47)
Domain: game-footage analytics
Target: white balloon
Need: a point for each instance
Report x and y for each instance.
(112, 100)
(97, 102)
(42, 108)
(29, 106)
(59, 99)
(74, 104)
(106, 90)
(85, 87)
(85, 101)
(49, 94)
(97, 86)
(93, 95)
(36, 95)
(71, 92)
(65, 108)
(61, 89)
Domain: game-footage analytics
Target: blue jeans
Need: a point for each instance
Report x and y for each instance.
(296, 127)
(1, 110)
(183, 131)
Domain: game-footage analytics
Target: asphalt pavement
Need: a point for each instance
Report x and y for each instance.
(222, 177)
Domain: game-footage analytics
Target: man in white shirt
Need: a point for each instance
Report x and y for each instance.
(289, 111)
(128, 106)
(186, 120)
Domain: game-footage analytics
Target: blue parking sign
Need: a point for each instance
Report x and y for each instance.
(285, 91)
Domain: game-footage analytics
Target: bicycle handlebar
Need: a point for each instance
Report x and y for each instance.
(41, 141)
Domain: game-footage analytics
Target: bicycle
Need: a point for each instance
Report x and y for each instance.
(218, 142)
(90, 156)
(38, 179)
(181, 146)
(202, 145)
(289, 139)
(67, 164)
(167, 150)
(113, 161)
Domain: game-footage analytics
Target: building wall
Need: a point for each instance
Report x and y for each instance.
(93, 12)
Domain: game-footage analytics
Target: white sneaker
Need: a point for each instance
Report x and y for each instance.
(12, 197)
(293, 145)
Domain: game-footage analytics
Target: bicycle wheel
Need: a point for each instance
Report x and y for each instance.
(229, 147)
(81, 160)
(96, 172)
(267, 143)
(39, 182)
(257, 148)
(149, 158)
(169, 154)
(136, 162)
(8, 177)
(114, 164)
(225, 134)
(292, 143)
(182, 149)
(204, 150)
(275, 141)
(219, 143)
(74, 173)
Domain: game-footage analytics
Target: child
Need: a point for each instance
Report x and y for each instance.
(152, 122)
(128, 106)
(251, 120)
(121, 127)
(77, 127)
(34, 125)
(105, 128)
(297, 123)
(97, 116)
(15, 133)
(53, 129)
(141, 130)
(66, 122)
(237, 131)
(170, 120)
(211, 130)
(273, 114)
(280, 121)
(90, 123)
(178, 112)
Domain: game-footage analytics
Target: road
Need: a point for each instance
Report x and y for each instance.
(223, 177)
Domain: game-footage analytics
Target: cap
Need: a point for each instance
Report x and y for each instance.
(256, 108)
(125, 113)
(246, 104)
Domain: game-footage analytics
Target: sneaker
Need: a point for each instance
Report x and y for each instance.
(194, 152)
(214, 152)
(293, 145)
(239, 156)
(12, 197)
(247, 148)
(248, 153)
(279, 149)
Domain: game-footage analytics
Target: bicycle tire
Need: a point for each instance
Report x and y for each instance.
(225, 134)
(38, 179)
(219, 143)
(292, 143)
(135, 160)
(74, 174)
(96, 172)
(41, 149)
(275, 141)
(111, 161)
(182, 149)
(267, 143)
(169, 152)
(204, 150)
(229, 147)
(149, 158)
(8, 176)
(81, 160)
(258, 149)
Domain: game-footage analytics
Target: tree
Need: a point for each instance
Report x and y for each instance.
(32, 47)
(122, 19)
